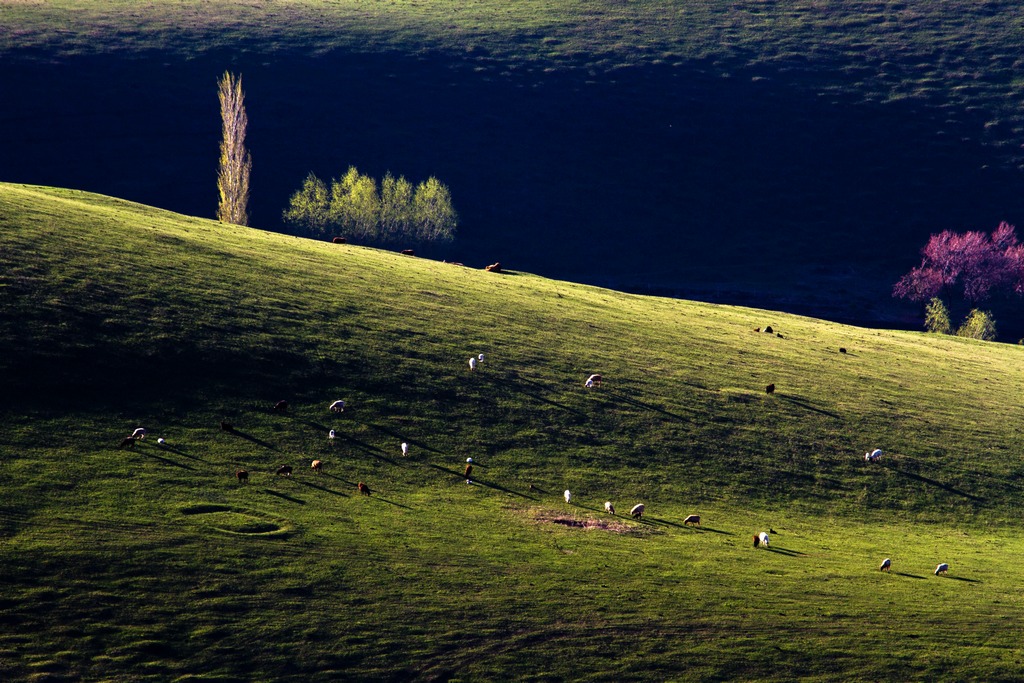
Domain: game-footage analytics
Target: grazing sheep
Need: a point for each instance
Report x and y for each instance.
(408, 252)
(472, 364)
(609, 508)
(886, 565)
(568, 496)
(127, 442)
(227, 427)
(770, 389)
(363, 488)
(317, 466)
(593, 380)
(339, 240)
(692, 519)
(331, 436)
(480, 357)
(405, 448)
(242, 476)
(874, 455)
(284, 471)
(139, 433)
(469, 459)
(338, 407)
(161, 441)
(281, 407)
(469, 471)
(941, 569)
(763, 538)
(638, 510)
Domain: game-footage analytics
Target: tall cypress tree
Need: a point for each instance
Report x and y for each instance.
(235, 162)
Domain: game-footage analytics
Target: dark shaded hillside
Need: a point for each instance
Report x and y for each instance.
(673, 179)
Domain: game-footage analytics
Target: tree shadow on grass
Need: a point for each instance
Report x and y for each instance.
(285, 496)
(805, 404)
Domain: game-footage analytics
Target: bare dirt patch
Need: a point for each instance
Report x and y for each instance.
(611, 524)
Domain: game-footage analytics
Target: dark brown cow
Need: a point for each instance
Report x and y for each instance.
(494, 267)
(770, 389)
(469, 471)
(284, 471)
(242, 476)
(363, 488)
(128, 442)
(408, 252)
(318, 466)
(339, 240)
(227, 426)
(281, 407)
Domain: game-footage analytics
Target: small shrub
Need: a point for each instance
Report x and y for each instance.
(978, 325)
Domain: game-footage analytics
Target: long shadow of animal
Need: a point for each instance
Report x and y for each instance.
(285, 496)
(520, 380)
(321, 488)
(784, 551)
(253, 439)
(498, 487)
(909, 576)
(167, 461)
(932, 482)
(630, 400)
(334, 476)
(178, 451)
(400, 437)
(715, 531)
(961, 578)
(805, 404)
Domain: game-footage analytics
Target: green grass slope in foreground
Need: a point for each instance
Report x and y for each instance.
(155, 564)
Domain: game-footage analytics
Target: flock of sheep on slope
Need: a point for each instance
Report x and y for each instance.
(595, 380)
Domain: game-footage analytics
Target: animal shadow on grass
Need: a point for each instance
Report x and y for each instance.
(322, 488)
(623, 398)
(498, 487)
(399, 437)
(178, 451)
(536, 394)
(285, 496)
(961, 578)
(805, 404)
(169, 461)
(662, 522)
(933, 482)
(785, 551)
(909, 576)
(253, 439)
(391, 502)
(713, 530)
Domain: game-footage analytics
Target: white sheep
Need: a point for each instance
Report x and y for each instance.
(886, 565)
(161, 441)
(609, 508)
(338, 406)
(941, 569)
(139, 433)
(593, 380)
(638, 510)
(480, 357)
(568, 496)
(472, 364)
(763, 539)
(331, 436)
(469, 460)
(874, 455)
(405, 448)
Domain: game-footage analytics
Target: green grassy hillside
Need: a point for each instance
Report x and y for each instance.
(155, 564)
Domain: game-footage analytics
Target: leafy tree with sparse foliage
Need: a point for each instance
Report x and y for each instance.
(978, 325)
(936, 317)
(309, 206)
(235, 162)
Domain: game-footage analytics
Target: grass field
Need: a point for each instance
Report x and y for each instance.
(155, 564)
(604, 142)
